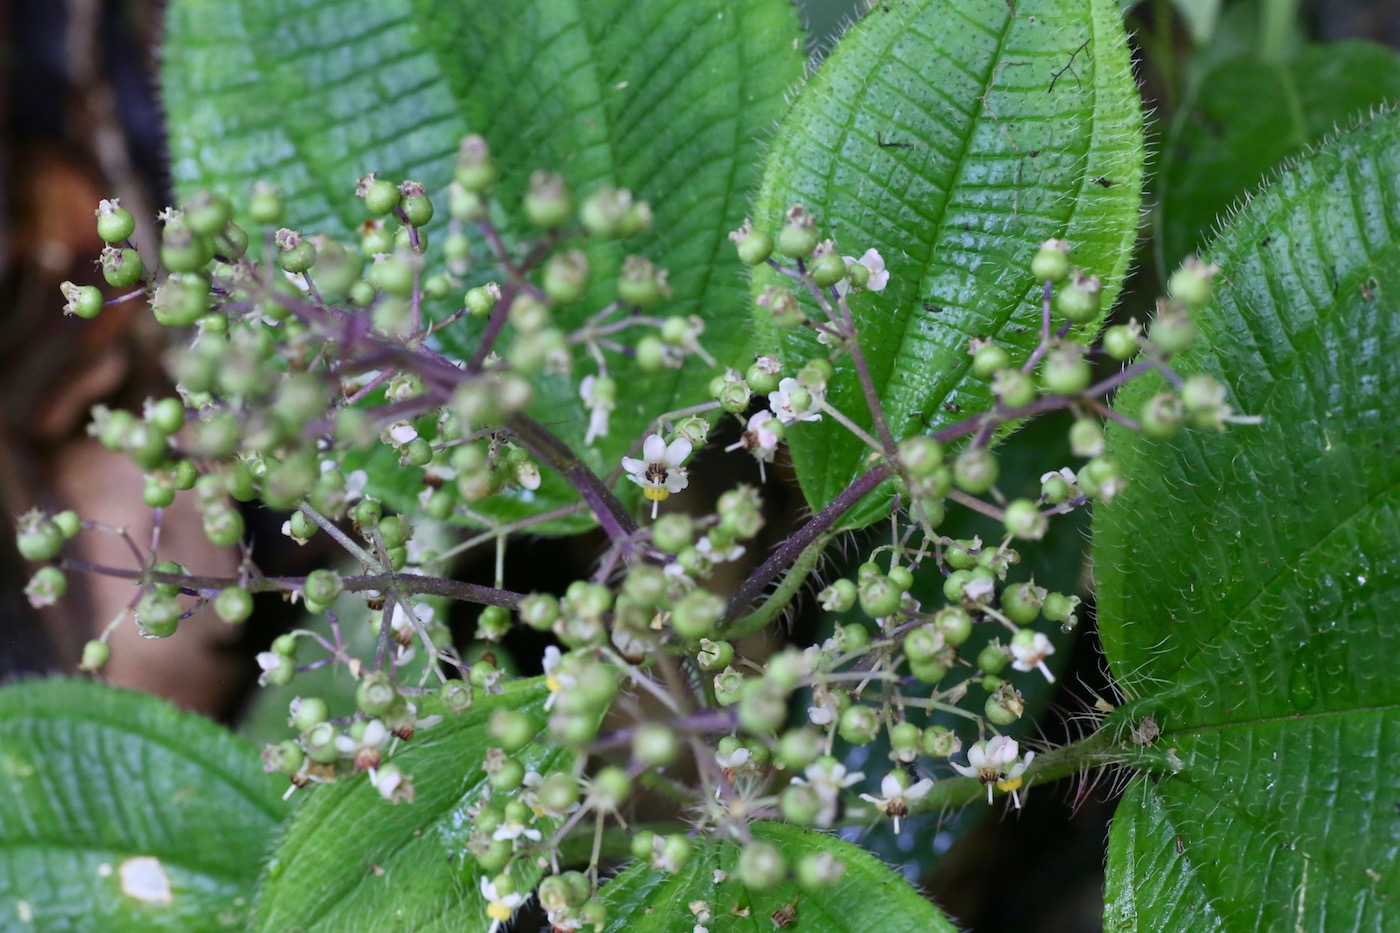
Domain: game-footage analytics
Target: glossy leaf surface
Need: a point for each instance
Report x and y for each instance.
(868, 896)
(350, 860)
(669, 99)
(1262, 638)
(119, 812)
(954, 137)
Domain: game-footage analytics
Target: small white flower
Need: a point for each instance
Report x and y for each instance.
(716, 555)
(873, 261)
(600, 405)
(828, 777)
(733, 761)
(393, 785)
(531, 796)
(1032, 657)
(368, 748)
(1064, 473)
(511, 830)
(405, 626)
(781, 401)
(895, 797)
(988, 762)
(979, 590)
(659, 472)
(402, 433)
(499, 907)
(269, 661)
(678, 582)
(554, 679)
(759, 439)
(287, 531)
(823, 710)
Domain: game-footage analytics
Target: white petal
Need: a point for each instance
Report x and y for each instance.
(634, 467)
(653, 449)
(678, 450)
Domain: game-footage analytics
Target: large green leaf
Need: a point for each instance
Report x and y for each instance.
(954, 137)
(869, 896)
(1247, 580)
(1229, 133)
(667, 98)
(119, 812)
(351, 861)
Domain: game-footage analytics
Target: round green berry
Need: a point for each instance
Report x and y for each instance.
(989, 359)
(761, 866)
(1120, 342)
(547, 203)
(417, 209)
(1051, 262)
(380, 195)
(975, 470)
(798, 237)
(754, 247)
(39, 538)
(265, 205)
(96, 654)
(85, 301)
(122, 267)
(233, 605)
(1079, 299)
(208, 214)
(827, 269)
(114, 222)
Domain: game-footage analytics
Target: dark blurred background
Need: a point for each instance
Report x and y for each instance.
(80, 120)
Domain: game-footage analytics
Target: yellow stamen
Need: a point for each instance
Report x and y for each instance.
(498, 911)
(656, 493)
(1009, 786)
(552, 683)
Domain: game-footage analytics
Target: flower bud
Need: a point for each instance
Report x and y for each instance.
(1079, 298)
(859, 724)
(474, 170)
(761, 866)
(753, 246)
(1191, 283)
(782, 304)
(798, 237)
(547, 202)
(1051, 262)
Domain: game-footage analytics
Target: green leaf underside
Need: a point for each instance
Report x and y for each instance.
(351, 861)
(869, 895)
(997, 134)
(1262, 640)
(92, 777)
(669, 98)
(1231, 133)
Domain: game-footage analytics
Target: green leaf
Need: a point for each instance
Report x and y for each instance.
(669, 99)
(1246, 581)
(120, 812)
(868, 897)
(954, 137)
(350, 860)
(1230, 134)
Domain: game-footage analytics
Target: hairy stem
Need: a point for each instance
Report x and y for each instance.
(790, 550)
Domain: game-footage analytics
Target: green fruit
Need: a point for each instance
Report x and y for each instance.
(114, 222)
(380, 196)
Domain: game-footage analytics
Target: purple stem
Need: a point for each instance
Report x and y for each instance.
(612, 515)
(407, 583)
(752, 588)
